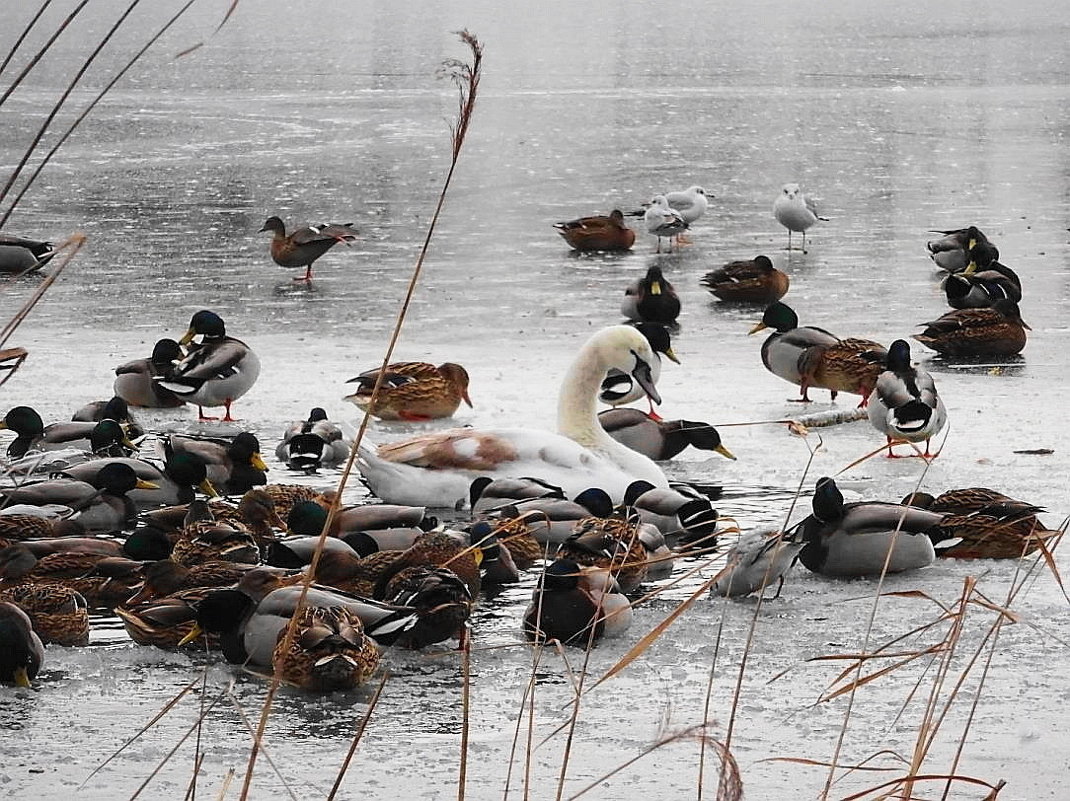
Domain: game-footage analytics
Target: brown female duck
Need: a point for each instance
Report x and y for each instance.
(306, 243)
(597, 232)
(413, 391)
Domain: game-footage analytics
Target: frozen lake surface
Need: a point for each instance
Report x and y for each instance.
(898, 118)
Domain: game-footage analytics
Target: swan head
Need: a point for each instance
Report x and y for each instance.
(623, 348)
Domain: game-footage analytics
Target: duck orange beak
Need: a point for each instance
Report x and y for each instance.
(142, 484)
(757, 328)
(257, 461)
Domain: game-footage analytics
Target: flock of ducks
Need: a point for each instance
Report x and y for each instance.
(90, 524)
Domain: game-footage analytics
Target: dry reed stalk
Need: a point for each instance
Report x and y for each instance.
(226, 785)
(22, 36)
(466, 77)
(527, 700)
(163, 711)
(865, 640)
(466, 690)
(356, 738)
(92, 104)
(198, 760)
(738, 691)
(734, 783)
(40, 53)
(167, 757)
(63, 98)
(249, 727)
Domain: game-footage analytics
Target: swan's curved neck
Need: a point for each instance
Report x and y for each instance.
(577, 411)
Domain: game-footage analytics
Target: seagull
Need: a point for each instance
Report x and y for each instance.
(690, 203)
(796, 212)
(661, 220)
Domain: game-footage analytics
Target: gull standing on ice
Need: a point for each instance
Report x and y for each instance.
(690, 204)
(661, 220)
(796, 212)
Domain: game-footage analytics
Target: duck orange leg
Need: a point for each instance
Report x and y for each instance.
(307, 276)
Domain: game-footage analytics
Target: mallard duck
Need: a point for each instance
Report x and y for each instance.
(950, 252)
(660, 439)
(328, 651)
(18, 527)
(662, 221)
(104, 438)
(996, 331)
(612, 543)
(439, 595)
(101, 501)
(435, 549)
(21, 651)
(576, 605)
(115, 408)
(548, 518)
(981, 523)
(343, 569)
(165, 622)
(754, 562)
(306, 243)
(249, 618)
(679, 512)
(508, 547)
(205, 539)
(754, 281)
(413, 391)
(175, 481)
(813, 357)
(651, 299)
(215, 372)
(313, 443)
(597, 233)
(853, 539)
(983, 281)
(135, 381)
(904, 404)
(233, 466)
(166, 577)
(286, 496)
(367, 529)
(19, 255)
(436, 469)
(619, 388)
(101, 580)
(796, 212)
(58, 614)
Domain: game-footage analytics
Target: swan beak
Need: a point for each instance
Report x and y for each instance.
(721, 449)
(757, 328)
(670, 355)
(194, 633)
(142, 484)
(257, 461)
(643, 377)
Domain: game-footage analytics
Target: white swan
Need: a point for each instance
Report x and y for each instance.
(437, 469)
